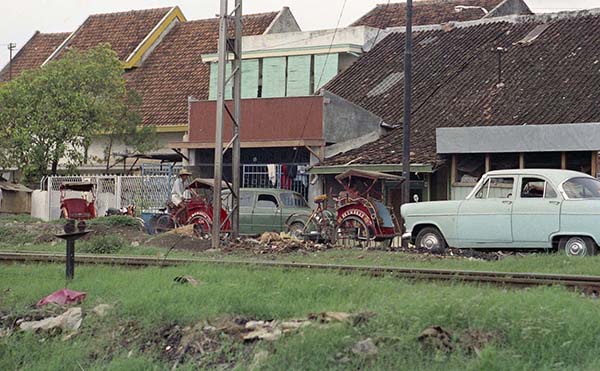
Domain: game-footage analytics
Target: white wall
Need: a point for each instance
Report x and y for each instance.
(39, 205)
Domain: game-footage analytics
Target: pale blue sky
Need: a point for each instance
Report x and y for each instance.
(20, 19)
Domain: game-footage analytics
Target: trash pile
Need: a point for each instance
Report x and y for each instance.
(52, 315)
(469, 254)
(436, 338)
(277, 243)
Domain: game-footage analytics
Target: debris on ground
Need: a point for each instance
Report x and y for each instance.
(62, 297)
(436, 338)
(326, 317)
(187, 279)
(102, 309)
(68, 321)
(276, 243)
(366, 348)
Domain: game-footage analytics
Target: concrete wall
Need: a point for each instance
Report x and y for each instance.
(343, 120)
(284, 22)
(39, 205)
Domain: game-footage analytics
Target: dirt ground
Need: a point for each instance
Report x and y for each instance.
(29, 231)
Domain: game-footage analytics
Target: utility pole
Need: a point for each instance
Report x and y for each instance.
(225, 47)
(11, 47)
(407, 108)
(407, 104)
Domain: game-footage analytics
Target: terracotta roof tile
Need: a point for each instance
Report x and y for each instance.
(34, 53)
(553, 79)
(174, 71)
(124, 31)
(424, 13)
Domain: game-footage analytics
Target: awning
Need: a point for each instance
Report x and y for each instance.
(522, 138)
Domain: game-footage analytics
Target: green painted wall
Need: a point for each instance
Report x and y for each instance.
(273, 77)
(250, 78)
(326, 67)
(298, 80)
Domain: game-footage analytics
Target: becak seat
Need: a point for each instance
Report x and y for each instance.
(320, 198)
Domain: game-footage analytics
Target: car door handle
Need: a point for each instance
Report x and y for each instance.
(554, 202)
(507, 202)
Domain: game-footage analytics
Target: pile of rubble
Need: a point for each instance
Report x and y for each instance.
(275, 243)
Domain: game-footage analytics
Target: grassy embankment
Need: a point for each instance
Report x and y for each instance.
(542, 328)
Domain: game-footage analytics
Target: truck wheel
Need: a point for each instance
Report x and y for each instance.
(431, 239)
(577, 246)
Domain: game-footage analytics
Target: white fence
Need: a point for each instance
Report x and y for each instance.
(147, 193)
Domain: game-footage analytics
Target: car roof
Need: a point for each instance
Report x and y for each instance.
(557, 176)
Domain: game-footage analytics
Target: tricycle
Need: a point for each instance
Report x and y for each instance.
(77, 209)
(196, 209)
(360, 215)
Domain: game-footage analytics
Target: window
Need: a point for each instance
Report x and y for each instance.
(582, 188)
(504, 161)
(246, 199)
(267, 201)
(543, 160)
(496, 188)
(469, 168)
(293, 200)
(536, 188)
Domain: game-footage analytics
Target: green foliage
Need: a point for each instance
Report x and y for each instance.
(115, 221)
(109, 244)
(52, 113)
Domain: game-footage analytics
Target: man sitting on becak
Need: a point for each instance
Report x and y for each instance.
(178, 191)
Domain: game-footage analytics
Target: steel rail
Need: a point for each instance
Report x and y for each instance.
(585, 282)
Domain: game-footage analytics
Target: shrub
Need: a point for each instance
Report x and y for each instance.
(103, 245)
(114, 221)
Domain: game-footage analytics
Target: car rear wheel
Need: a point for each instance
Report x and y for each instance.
(296, 229)
(577, 246)
(431, 239)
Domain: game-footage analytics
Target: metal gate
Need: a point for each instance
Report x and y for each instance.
(147, 193)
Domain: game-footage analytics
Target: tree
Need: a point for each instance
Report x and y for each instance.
(52, 114)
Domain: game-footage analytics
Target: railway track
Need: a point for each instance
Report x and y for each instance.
(588, 284)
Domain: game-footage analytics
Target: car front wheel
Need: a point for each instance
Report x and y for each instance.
(430, 239)
(577, 246)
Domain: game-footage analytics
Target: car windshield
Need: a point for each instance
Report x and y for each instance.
(293, 200)
(582, 188)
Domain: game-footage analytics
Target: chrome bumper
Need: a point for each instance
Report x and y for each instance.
(407, 236)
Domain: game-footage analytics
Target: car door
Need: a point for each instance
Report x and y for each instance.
(536, 212)
(267, 213)
(247, 199)
(484, 219)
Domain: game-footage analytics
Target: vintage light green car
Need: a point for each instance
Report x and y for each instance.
(270, 210)
(525, 208)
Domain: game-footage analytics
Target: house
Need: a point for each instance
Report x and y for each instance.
(160, 50)
(283, 111)
(508, 92)
(288, 120)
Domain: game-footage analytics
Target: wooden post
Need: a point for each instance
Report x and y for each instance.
(594, 163)
(487, 162)
(521, 160)
(453, 170)
(563, 160)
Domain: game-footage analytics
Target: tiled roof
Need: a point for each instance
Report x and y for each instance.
(33, 53)
(124, 31)
(424, 13)
(174, 71)
(552, 79)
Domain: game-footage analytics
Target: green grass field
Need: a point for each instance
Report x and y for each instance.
(533, 329)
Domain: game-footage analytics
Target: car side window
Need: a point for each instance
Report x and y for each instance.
(246, 199)
(267, 201)
(501, 187)
(536, 188)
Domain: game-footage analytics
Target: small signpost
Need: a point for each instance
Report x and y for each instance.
(71, 235)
